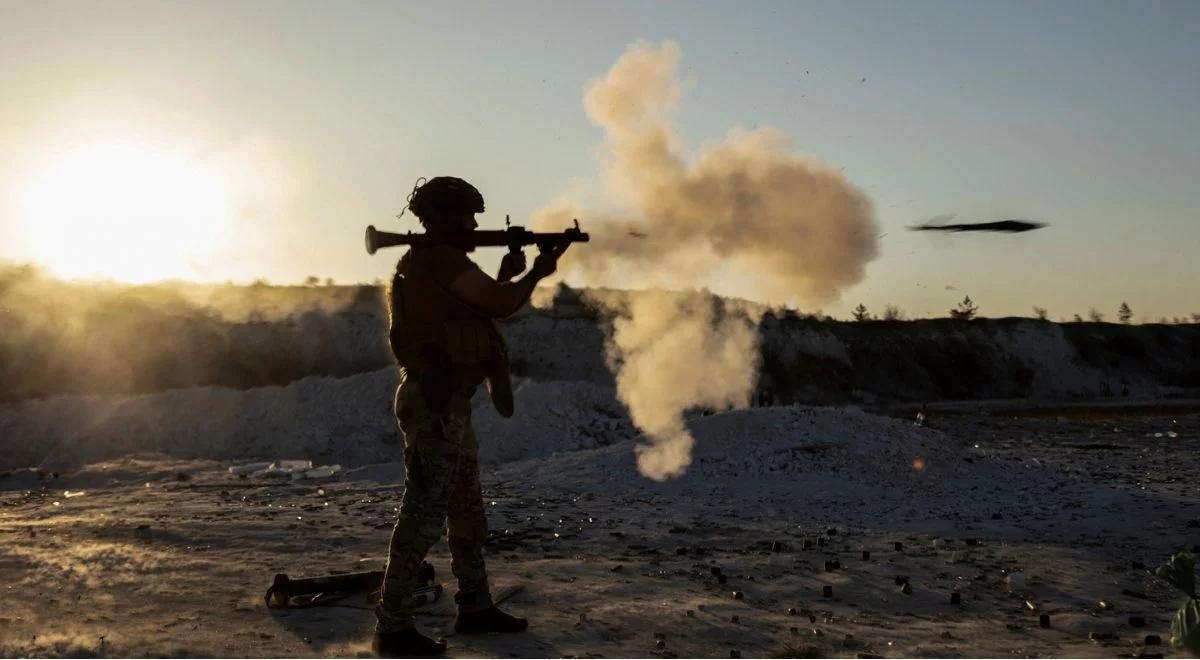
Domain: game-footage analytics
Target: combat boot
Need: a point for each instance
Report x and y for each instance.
(491, 620)
(407, 643)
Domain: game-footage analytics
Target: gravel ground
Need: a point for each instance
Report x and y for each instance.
(162, 557)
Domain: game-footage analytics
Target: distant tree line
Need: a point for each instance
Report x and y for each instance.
(967, 309)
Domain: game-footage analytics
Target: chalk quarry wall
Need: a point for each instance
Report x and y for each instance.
(127, 348)
(945, 359)
(810, 361)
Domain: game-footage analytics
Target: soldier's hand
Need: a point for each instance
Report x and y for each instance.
(511, 265)
(547, 260)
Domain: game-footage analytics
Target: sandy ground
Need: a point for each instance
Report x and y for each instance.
(163, 557)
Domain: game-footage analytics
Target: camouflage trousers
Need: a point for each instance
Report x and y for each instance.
(441, 487)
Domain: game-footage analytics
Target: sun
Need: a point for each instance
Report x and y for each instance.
(127, 210)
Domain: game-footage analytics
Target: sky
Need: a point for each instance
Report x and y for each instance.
(306, 121)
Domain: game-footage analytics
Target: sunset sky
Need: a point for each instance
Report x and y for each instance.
(234, 141)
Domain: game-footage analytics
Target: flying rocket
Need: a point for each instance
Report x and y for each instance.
(1009, 226)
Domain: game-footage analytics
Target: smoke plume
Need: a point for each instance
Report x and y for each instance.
(675, 352)
(746, 216)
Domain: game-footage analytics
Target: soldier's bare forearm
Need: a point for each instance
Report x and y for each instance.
(514, 295)
(496, 299)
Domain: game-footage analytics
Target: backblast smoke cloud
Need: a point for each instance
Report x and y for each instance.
(747, 216)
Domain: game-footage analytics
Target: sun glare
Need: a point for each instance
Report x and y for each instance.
(126, 210)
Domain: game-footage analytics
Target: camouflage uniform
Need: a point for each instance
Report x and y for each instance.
(441, 483)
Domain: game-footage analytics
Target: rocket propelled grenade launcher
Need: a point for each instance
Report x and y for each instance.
(514, 238)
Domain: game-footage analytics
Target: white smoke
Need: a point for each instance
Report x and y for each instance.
(746, 210)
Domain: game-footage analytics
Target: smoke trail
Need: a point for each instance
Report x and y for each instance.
(747, 211)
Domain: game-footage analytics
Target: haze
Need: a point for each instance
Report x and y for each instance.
(244, 141)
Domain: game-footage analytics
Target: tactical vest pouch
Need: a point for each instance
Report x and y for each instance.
(499, 386)
(477, 343)
(471, 342)
(411, 345)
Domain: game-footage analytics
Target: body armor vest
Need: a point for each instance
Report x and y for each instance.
(440, 339)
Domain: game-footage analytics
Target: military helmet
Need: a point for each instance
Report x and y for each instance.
(444, 195)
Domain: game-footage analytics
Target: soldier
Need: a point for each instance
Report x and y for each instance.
(442, 334)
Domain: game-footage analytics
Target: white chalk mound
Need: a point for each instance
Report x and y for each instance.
(346, 421)
(795, 459)
(552, 417)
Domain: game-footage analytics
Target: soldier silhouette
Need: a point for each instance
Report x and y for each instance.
(441, 311)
